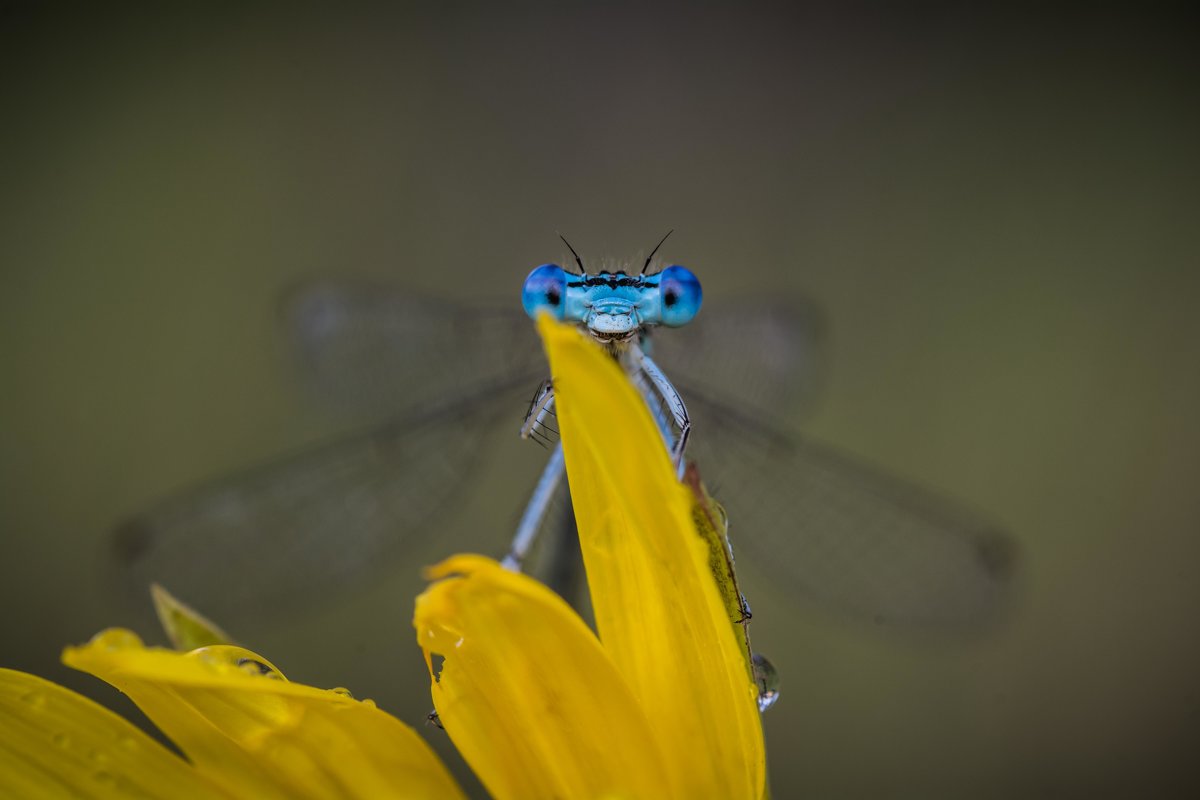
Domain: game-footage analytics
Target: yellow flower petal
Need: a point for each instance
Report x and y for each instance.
(526, 692)
(56, 743)
(657, 608)
(242, 725)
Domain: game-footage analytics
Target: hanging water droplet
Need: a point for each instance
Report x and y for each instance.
(766, 678)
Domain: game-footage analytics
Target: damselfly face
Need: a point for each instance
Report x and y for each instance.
(614, 306)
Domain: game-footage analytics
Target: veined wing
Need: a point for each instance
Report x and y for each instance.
(376, 351)
(269, 538)
(771, 351)
(826, 527)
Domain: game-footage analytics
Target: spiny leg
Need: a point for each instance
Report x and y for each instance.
(677, 440)
(535, 510)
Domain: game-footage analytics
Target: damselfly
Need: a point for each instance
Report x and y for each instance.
(823, 525)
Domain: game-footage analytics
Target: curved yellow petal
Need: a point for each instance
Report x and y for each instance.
(658, 611)
(246, 727)
(526, 692)
(56, 743)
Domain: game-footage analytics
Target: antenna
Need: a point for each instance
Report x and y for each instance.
(646, 266)
(578, 260)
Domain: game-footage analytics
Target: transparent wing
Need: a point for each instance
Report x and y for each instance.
(770, 351)
(826, 527)
(272, 538)
(375, 351)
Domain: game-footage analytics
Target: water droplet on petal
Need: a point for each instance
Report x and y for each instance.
(766, 678)
(116, 639)
(257, 667)
(106, 779)
(237, 658)
(127, 743)
(61, 740)
(343, 691)
(34, 699)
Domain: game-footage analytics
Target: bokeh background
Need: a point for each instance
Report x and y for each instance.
(996, 210)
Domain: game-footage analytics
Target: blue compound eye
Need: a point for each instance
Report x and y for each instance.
(546, 287)
(681, 296)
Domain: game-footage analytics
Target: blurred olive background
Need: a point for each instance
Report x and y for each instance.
(996, 209)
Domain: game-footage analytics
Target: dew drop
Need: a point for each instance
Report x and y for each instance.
(61, 740)
(106, 779)
(204, 655)
(238, 658)
(34, 699)
(127, 743)
(256, 667)
(343, 691)
(116, 639)
(766, 678)
(99, 756)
